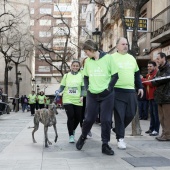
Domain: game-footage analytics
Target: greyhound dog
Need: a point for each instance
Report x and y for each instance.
(48, 118)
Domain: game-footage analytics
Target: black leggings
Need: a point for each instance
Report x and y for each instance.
(83, 111)
(73, 117)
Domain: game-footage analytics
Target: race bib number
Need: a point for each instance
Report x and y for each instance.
(32, 101)
(72, 90)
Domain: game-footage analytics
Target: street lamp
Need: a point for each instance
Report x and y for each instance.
(96, 35)
(38, 88)
(18, 89)
(34, 84)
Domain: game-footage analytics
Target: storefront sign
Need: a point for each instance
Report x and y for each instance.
(142, 25)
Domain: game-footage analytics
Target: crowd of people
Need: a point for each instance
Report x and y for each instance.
(106, 87)
(33, 101)
(111, 85)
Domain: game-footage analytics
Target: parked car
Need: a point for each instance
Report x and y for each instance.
(4, 108)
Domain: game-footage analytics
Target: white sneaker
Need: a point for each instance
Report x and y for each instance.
(121, 144)
(154, 132)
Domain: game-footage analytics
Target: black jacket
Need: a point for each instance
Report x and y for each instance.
(162, 92)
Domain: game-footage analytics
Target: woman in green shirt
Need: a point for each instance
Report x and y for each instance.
(41, 100)
(72, 86)
(100, 75)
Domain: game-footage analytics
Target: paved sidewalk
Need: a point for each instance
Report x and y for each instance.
(18, 152)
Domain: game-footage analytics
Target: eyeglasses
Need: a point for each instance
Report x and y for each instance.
(124, 44)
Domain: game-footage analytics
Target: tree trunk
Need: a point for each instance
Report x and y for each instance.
(136, 128)
(17, 89)
(122, 16)
(6, 79)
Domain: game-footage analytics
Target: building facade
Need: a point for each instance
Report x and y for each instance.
(54, 25)
(150, 42)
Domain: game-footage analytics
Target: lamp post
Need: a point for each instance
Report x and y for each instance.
(96, 36)
(34, 84)
(18, 80)
(38, 88)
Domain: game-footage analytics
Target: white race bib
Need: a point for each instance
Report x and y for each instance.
(72, 90)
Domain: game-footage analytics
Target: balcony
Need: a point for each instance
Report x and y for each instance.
(84, 2)
(161, 26)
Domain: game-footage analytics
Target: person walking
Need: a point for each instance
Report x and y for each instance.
(31, 101)
(150, 89)
(41, 100)
(22, 100)
(72, 86)
(143, 105)
(125, 104)
(162, 96)
(100, 75)
(25, 103)
(14, 104)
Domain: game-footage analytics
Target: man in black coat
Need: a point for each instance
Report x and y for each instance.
(162, 96)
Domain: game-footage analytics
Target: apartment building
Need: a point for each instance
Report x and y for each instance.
(86, 22)
(150, 42)
(53, 25)
(160, 33)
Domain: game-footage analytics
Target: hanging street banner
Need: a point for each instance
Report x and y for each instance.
(142, 25)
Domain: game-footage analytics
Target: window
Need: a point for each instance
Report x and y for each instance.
(45, 22)
(32, 11)
(32, 22)
(45, 0)
(45, 11)
(83, 8)
(44, 34)
(60, 31)
(59, 21)
(41, 56)
(32, 0)
(45, 79)
(63, 8)
(58, 65)
(44, 68)
(64, 1)
(47, 45)
(59, 43)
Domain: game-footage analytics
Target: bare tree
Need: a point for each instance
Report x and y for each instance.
(10, 21)
(15, 47)
(107, 8)
(56, 53)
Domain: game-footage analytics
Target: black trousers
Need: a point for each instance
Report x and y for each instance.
(73, 117)
(125, 107)
(41, 106)
(83, 111)
(93, 104)
(32, 108)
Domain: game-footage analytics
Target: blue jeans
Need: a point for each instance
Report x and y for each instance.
(24, 106)
(143, 109)
(154, 118)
